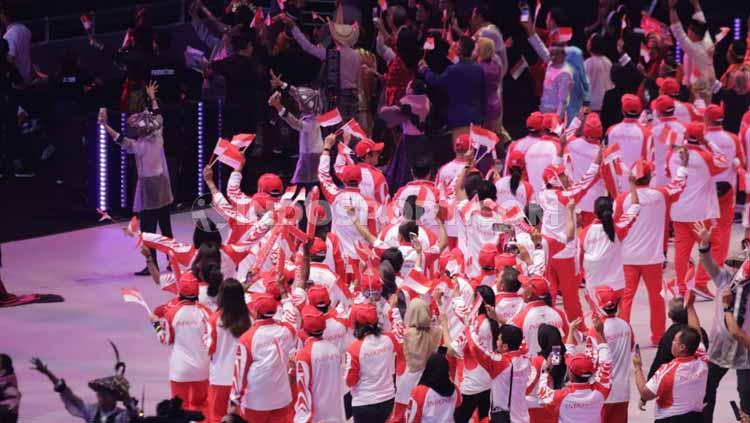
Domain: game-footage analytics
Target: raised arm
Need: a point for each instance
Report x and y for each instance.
(704, 250)
(293, 121)
(728, 298)
(580, 188)
(330, 190)
(304, 43)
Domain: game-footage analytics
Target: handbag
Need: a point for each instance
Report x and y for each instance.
(503, 416)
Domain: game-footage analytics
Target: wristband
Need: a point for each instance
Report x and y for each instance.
(60, 386)
(704, 250)
(729, 309)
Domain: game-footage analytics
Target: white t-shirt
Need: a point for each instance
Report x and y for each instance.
(680, 386)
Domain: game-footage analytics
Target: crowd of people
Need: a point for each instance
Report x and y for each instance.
(382, 283)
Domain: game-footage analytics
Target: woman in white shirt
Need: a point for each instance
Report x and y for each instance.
(435, 398)
(598, 68)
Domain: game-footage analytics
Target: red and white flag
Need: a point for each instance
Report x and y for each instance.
(418, 282)
(133, 225)
(481, 137)
(330, 118)
(132, 295)
(258, 18)
(87, 24)
(353, 128)
(229, 154)
(611, 168)
(650, 25)
(103, 215)
(517, 70)
(429, 44)
(561, 34)
(242, 141)
(383, 4)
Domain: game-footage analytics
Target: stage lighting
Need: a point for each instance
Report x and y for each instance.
(103, 176)
(199, 148)
(123, 166)
(219, 127)
(737, 29)
(677, 52)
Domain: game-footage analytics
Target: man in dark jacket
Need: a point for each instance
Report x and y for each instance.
(464, 84)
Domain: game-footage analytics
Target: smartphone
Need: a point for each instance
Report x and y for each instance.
(637, 350)
(413, 236)
(555, 355)
(736, 410)
(525, 12)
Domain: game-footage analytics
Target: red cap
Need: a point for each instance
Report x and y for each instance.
(317, 295)
(714, 113)
(516, 159)
(351, 174)
(364, 314)
(695, 131)
(371, 282)
(592, 128)
(535, 121)
(642, 168)
(454, 255)
(313, 321)
(188, 285)
(505, 260)
(551, 121)
(664, 104)
(266, 201)
(580, 365)
(537, 285)
(631, 104)
(367, 146)
(318, 247)
(606, 296)
(551, 173)
(265, 305)
(270, 183)
(668, 86)
(462, 143)
(272, 288)
(487, 256)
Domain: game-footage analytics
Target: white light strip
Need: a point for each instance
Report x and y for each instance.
(737, 29)
(677, 52)
(123, 167)
(103, 176)
(199, 152)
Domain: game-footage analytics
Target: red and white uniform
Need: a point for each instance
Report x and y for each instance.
(521, 145)
(507, 305)
(371, 363)
(338, 292)
(319, 373)
(471, 378)
(698, 202)
(533, 315)
(475, 229)
(337, 332)
(428, 197)
(261, 380)
(222, 346)
(445, 180)
(341, 200)
(580, 402)
(643, 246)
(427, 406)
(524, 191)
(680, 386)
(578, 156)
(389, 237)
(499, 368)
(373, 185)
(659, 145)
(602, 258)
(632, 137)
(620, 339)
(685, 112)
(183, 328)
(545, 151)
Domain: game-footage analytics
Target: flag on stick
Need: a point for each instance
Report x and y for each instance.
(228, 153)
(132, 295)
(330, 118)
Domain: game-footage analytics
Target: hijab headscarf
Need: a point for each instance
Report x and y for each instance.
(436, 375)
(422, 338)
(549, 336)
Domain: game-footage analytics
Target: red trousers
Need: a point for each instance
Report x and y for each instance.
(684, 240)
(722, 231)
(562, 275)
(652, 275)
(615, 413)
(540, 415)
(192, 394)
(279, 415)
(399, 414)
(218, 400)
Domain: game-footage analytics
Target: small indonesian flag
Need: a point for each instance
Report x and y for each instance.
(429, 43)
(132, 295)
(353, 128)
(103, 215)
(650, 25)
(517, 70)
(562, 34)
(242, 141)
(417, 282)
(329, 118)
(258, 18)
(481, 137)
(229, 154)
(383, 4)
(87, 24)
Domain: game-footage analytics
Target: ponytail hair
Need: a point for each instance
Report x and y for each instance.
(515, 178)
(603, 211)
(211, 274)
